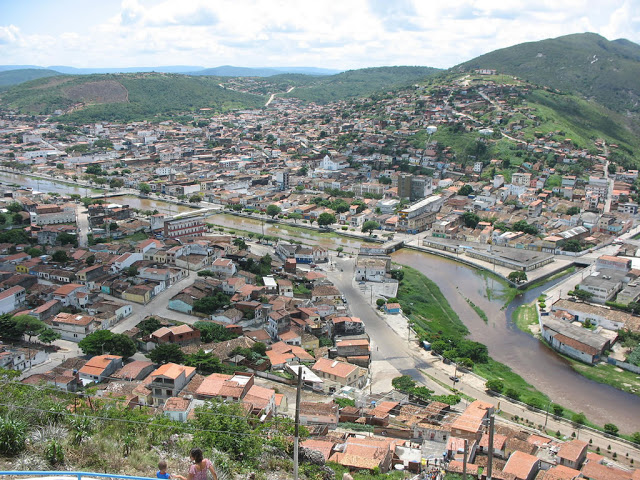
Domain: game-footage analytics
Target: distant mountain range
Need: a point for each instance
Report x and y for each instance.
(586, 64)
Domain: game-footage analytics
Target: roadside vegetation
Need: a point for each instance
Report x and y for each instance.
(608, 374)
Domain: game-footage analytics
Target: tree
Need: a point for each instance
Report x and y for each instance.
(122, 345)
(14, 207)
(572, 245)
(558, 410)
(304, 170)
(523, 226)
(195, 199)
(148, 326)
(68, 239)
(116, 183)
(273, 210)
(579, 418)
(611, 429)
(385, 180)
(495, 385)
(90, 260)
(29, 326)
(339, 250)
(3, 219)
(635, 438)
(580, 294)
(471, 219)
(226, 427)
(370, 226)
(512, 393)
(573, 210)
(16, 218)
(60, 166)
(326, 219)
(403, 383)
(96, 343)
(34, 252)
(213, 332)
(260, 348)
(166, 353)
(295, 216)
(131, 271)
(211, 303)
(49, 336)
(517, 276)
(60, 256)
(380, 302)
(144, 188)
(465, 190)
(240, 243)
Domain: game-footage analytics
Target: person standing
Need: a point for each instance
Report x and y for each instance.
(198, 471)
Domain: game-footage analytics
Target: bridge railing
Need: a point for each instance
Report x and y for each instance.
(67, 475)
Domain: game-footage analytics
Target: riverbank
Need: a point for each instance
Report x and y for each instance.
(431, 313)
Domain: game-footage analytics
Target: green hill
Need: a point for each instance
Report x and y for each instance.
(15, 77)
(355, 83)
(124, 97)
(586, 64)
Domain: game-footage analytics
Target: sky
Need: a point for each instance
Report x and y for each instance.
(335, 34)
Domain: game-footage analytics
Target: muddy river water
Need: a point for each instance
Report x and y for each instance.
(526, 356)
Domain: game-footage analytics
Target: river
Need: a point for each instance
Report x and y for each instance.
(310, 237)
(51, 186)
(527, 356)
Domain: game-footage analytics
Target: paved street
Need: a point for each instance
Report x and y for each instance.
(393, 355)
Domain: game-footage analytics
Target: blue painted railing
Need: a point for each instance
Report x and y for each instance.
(78, 475)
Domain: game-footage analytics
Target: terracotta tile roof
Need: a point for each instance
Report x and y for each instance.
(572, 450)
(334, 367)
(597, 471)
(176, 404)
(499, 441)
(521, 464)
(97, 364)
(259, 396)
(560, 472)
(173, 370)
(323, 446)
(67, 289)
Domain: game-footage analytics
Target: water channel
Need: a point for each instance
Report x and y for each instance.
(51, 186)
(528, 357)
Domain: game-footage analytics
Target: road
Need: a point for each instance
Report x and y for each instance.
(393, 355)
(390, 355)
(82, 216)
(157, 306)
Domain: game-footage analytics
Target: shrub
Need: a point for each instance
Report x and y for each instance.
(13, 436)
(54, 453)
(495, 385)
(512, 393)
(557, 409)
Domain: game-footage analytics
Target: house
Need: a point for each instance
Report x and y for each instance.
(99, 367)
(392, 308)
(372, 269)
(366, 453)
(572, 454)
(168, 381)
(347, 326)
(73, 326)
(225, 387)
(285, 287)
(223, 267)
(577, 342)
(261, 400)
(358, 347)
(338, 373)
(522, 465)
(328, 292)
(177, 408)
(11, 299)
(470, 424)
(180, 334)
(72, 295)
(136, 370)
(317, 413)
(499, 445)
(138, 294)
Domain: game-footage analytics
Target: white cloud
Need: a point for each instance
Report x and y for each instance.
(323, 33)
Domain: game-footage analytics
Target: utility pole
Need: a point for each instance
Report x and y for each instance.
(546, 417)
(296, 438)
(464, 460)
(490, 459)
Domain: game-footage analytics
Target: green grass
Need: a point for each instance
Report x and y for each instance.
(608, 374)
(478, 310)
(493, 370)
(525, 316)
(136, 237)
(430, 311)
(505, 292)
(363, 474)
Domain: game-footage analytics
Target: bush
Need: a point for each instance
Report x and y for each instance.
(512, 393)
(557, 409)
(54, 453)
(13, 436)
(611, 429)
